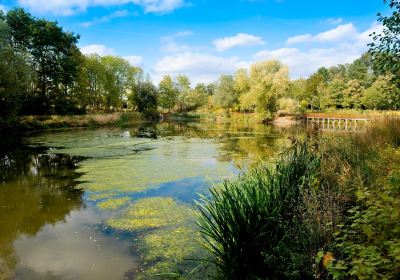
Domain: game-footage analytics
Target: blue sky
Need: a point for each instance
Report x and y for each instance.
(205, 38)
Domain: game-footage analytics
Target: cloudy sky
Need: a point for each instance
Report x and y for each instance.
(205, 38)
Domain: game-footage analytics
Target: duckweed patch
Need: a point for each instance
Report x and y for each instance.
(152, 213)
(113, 203)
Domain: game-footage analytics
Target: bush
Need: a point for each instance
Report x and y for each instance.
(368, 244)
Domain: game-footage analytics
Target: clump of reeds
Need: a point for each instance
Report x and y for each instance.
(252, 225)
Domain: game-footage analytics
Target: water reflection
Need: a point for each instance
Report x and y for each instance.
(36, 189)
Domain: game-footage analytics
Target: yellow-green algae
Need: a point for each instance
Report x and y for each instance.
(113, 203)
(152, 213)
(120, 164)
(101, 195)
(170, 253)
(168, 237)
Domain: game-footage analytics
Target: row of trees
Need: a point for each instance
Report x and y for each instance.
(360, 85)
(42, 71)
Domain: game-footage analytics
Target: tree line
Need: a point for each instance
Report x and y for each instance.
(42, 72)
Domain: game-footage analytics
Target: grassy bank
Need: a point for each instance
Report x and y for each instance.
(329, 208)
(371, 114)
(56, 121)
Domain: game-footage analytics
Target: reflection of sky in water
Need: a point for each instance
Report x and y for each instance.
(74, 249)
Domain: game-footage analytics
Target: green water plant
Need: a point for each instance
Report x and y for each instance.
(252, 225)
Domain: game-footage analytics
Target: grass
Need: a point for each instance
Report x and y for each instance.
(371, 114)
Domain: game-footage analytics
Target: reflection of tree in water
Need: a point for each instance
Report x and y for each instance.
(240, 141)
(35, 189)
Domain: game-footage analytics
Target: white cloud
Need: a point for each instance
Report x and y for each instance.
(134, 60)
(341, 32)
(169, 45)
(299, 39)
(334, 21)
(183, 33)
(200, 67)
(69, 7)
(97, 49)
(3, 8)
(240, 39)
(116, 14)
(302, 63)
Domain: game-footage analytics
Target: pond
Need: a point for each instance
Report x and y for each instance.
(114, 203)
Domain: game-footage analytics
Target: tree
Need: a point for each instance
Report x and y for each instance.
(144, 96)
(119, 78)
(225, 95)
(94, 79)
(382, 94)
(167, 93)
(313, 88)
(15, 75)
(336, 88)
(242, 82)
(361, 70)
(53, 55)
(352, 94)
(385, 49)
(183, 86)
(269, 80)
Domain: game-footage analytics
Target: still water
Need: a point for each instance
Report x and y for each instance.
(118, 203)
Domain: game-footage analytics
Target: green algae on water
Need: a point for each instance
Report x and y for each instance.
(113, 203)
(151, 213)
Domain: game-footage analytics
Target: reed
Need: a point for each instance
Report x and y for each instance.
(250, 223)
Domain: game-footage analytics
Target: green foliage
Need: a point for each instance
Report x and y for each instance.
(16, 75)
(352, 94)
(385, 49)
(268, 81)
(382, 94)
(368, 244)
(53, 55)
(167, 93)
(144, 97)
(252, 225)
(119, 77)
(225, 95)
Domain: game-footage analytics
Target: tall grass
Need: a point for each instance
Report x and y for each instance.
(252, 225)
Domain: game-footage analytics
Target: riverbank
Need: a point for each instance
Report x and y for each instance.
(121, 119)
(26, 123)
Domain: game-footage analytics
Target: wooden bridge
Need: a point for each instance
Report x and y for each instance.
(337, 124)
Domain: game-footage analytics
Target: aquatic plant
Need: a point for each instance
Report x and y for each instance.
(113, 203)
(151, 213)
(252, 226)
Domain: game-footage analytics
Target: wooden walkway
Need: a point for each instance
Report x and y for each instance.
(338, 124)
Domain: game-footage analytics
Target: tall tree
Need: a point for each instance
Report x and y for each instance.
(385, 49)
(225, 95)
(15, 75)
(144, 96)
(184, 89)
(269, 80)
(52, 53)
(167, 93)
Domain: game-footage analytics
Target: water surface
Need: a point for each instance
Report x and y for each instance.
(117, 203)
